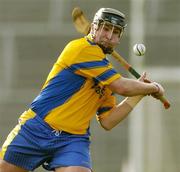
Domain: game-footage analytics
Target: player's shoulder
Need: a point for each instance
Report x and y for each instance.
(84, 46)
(81, 50)
(73, 48)
(81, 43)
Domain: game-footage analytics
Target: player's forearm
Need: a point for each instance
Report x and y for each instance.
(120, 112)
(129, 87)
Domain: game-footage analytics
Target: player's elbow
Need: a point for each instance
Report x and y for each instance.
(124, 91)
(119, 87)
(106, 126)
(121, 90)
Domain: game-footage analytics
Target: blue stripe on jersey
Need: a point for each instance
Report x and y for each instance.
(90, 65)
(64, 85)
(103, 109)
(58, 91)
(92, 43)
(105, 75)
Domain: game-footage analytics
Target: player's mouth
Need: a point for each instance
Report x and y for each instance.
(106, 44)
(106, 47)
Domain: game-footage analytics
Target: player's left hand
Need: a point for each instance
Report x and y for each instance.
(143, 77)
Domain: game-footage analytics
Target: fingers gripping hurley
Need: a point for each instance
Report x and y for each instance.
(83, 26)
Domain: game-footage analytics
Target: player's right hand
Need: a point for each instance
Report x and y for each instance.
(160, 90)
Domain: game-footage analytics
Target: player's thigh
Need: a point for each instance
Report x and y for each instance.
(7, 167)
(72, 169)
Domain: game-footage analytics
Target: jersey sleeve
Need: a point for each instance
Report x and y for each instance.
(90, 62)
(106, 107)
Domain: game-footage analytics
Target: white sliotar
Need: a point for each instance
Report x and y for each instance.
(139, 49)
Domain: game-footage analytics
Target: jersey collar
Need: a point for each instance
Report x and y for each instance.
(90, 40)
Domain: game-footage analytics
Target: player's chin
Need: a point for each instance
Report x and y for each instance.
(110, 45)
(106, 50)
(107, 45)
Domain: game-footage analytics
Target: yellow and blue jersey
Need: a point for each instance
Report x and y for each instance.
(76, 88)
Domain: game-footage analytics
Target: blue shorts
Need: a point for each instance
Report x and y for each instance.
(38, 144)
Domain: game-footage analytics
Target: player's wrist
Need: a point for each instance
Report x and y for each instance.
(133, 101)
(157, 88)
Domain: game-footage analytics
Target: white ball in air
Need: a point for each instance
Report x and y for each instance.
(139, 49)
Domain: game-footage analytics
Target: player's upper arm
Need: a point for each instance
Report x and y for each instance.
(119, 86)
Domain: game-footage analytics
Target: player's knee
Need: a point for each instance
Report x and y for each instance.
(5, 166)
(8, 167)
(72, 168)
(2, 165)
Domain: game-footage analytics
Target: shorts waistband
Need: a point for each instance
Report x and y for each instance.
(48, 127)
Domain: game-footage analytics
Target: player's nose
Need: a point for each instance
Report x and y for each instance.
(109, 35)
